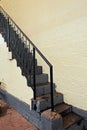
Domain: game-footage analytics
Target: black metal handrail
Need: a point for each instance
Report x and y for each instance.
(10, 21)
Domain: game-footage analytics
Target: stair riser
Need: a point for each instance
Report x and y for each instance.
(38, 70)
(46, 103)
(27, 69)
(66, 112)
(44, 89)
(76, 126)
(24, 59)
(20, 56)
(22, 62)
(40, 79)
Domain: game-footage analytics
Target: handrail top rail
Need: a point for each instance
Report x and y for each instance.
(39, 52)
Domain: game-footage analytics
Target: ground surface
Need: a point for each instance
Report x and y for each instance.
(12, 120)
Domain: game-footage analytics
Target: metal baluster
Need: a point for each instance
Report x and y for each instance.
(8, 32)
(34, 75)
(51, 85)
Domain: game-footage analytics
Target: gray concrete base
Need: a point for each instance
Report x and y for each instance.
(51, 121)
(82, 113)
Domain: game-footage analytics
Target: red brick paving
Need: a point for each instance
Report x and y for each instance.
(12, 120)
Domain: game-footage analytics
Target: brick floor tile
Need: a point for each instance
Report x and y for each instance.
(12, 120)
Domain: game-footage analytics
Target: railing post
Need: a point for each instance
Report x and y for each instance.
(51, 85)
(34, 75)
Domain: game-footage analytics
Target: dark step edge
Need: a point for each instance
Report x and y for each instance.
(41, 85)
(46, 96)
(63, 112)
(44, 84)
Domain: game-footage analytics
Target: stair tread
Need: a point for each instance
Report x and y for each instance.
(70, 119)
(37, 75)
(46, 96)
(62, 107)
(44, 84)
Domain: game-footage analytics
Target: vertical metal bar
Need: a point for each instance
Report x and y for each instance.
(34, 75)
(8, 33)
(51, 85)
(29, 46)
(6, 29)
(9, 44)
(0, 9)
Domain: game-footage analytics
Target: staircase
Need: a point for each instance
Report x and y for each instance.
(46, 98)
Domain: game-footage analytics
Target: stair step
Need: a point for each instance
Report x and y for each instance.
(38, 70)
(40, 79)
(63, 108)
(23, 58)
(45, 100)
(43, 89)
(70, 119)
(27, 66)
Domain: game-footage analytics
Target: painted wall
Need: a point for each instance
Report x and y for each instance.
(10, 76)
(59, 29)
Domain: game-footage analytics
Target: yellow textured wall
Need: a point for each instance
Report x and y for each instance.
(59, 29)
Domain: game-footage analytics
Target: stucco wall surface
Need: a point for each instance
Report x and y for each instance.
(10, 76)
(59, 29)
